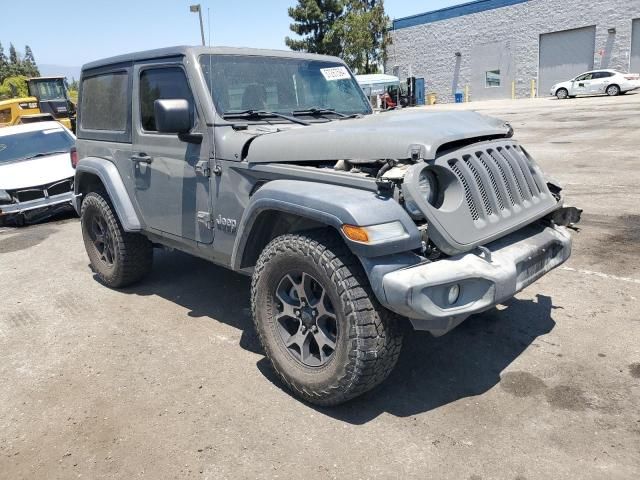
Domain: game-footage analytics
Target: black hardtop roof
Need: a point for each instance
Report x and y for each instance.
(185, 50)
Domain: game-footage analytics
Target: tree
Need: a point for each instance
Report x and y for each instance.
(313, 21)
(3, 58)
(14, 87)
(355, 30)
(30, 68)
(15, 67)
(73, 84)
(13, 55)
(362, 33)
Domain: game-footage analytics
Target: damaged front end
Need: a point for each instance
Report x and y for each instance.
(35, 204)
(491, 224)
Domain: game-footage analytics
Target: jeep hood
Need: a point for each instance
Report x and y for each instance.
(397, 135)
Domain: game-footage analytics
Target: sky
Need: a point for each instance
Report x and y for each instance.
(74, 32)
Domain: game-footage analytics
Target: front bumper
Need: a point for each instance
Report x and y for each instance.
(485, 278)
(23, 207)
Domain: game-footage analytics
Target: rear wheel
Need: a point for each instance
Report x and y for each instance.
(319, 323)
(613, 90)
(117, 257)
(562, 93)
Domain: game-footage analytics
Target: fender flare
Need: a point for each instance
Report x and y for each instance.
(332, 205)
(108, 174)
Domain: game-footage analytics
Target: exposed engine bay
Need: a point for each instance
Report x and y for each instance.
(468, 196)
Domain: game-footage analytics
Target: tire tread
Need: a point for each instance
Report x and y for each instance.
(374, 332)
(135, 250)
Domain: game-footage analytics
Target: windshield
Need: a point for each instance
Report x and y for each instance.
(21, 146)
(48, 89)
(282, 85)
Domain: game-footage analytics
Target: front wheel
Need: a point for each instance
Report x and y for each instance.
(562, 93)
(117, 257)
(321, 327)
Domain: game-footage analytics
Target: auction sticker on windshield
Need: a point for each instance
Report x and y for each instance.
(335, 73)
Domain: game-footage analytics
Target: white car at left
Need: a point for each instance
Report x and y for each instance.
(36, 170)
(597, 82)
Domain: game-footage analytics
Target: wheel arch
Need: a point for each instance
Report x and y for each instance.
(606, 90)
(287, 206)
(95, 172)
(269, 224)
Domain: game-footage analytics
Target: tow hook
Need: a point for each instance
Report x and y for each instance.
(485, 253)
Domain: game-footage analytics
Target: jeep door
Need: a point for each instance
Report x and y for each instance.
(171, 187)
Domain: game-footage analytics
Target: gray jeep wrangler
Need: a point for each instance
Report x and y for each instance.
(273, 164)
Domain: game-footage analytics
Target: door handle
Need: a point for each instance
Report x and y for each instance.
(141, 158)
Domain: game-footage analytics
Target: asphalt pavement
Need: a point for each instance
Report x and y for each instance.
(166, 379)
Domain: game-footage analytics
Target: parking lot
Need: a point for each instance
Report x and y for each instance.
(167, 380)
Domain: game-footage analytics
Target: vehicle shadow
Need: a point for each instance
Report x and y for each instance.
(466, 362)
(204, 289)
(582, 97)
(431, 372)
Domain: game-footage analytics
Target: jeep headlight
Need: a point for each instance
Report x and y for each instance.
(427, 187)
(5, 197)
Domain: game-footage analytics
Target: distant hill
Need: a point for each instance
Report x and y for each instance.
(48, 70)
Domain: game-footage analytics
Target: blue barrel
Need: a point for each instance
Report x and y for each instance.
(459, 97)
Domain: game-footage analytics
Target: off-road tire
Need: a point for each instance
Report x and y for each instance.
(132, 252)
(369, 337)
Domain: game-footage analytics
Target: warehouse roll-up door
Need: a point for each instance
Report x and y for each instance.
(563, 55)
(635, 47)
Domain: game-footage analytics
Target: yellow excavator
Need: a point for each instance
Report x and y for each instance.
(49, 100)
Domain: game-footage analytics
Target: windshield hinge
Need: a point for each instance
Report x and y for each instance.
(205, 219)
(202, 168)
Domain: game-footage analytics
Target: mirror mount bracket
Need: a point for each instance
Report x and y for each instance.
(191, 137)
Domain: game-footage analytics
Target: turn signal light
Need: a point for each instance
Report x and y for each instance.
(375, 234)
(357, 234)
(74, 157)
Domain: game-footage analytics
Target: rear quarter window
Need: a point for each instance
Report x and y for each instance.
(105, 105)
(104, 102)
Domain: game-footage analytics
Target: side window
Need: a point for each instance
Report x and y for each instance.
(104, 102)
(5, 115)
(158, 84)
(492, 78)
(597, 75)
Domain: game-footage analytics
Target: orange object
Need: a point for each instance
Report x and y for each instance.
(357, 234)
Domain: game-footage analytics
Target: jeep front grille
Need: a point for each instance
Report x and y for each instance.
(487, 190)
(497, 180)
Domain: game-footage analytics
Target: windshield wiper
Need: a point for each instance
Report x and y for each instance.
(257, 114)
(45, 154)
(320, 112)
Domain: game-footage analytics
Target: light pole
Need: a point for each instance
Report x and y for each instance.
(194, 9)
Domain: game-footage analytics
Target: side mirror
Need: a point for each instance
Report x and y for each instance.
(172, 116)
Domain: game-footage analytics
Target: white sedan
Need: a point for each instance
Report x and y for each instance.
(597, 82)
(36, 171)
